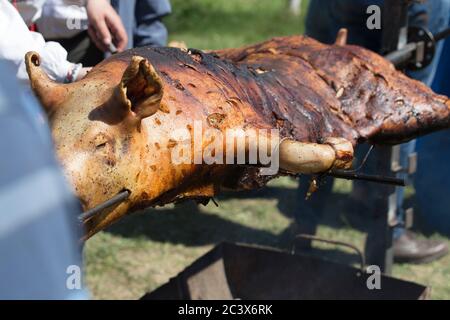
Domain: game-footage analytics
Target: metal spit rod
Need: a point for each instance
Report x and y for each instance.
(354, 174)
(118, 198)
(399, 57)
(342, 174)
(442, 35)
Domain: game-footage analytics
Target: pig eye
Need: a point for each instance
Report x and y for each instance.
(104, 148)
(100, 141)
(100, 146)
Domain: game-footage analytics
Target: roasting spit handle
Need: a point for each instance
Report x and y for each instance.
(335, 242)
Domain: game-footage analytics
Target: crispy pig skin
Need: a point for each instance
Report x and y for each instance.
(308, 90)
(332, 90)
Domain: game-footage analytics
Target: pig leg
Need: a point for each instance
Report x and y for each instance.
(309, 158)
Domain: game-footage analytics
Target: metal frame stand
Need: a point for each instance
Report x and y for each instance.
(379, 249)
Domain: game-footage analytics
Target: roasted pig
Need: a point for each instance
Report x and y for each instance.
(306, 104)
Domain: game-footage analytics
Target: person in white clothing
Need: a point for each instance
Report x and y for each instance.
(87, 29)
(56, 18)
(16, 40)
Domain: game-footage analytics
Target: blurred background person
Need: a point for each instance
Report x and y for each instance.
(434, 152)
(143, 21)
(89, 29)
(16, 40)
(85, 28)
(324, 19)
(40, 253)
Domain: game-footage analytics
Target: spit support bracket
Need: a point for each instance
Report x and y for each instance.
(419, 51)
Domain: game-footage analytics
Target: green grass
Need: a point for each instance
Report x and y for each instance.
(146, 249)
(216, 24)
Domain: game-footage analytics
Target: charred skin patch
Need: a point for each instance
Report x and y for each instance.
(171, 144)
(215, 120)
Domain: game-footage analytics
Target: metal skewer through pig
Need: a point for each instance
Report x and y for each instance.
(114, 130)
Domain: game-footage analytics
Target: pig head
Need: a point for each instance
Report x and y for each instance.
(97, 131)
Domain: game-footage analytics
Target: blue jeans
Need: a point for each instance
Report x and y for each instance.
(142, 21)
(323, 21)
(432, 179)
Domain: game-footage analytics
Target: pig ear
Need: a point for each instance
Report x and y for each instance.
(49, 92)
(141, 88)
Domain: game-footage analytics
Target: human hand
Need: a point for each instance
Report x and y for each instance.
(105, 26)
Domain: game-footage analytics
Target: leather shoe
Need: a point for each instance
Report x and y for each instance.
(408, 248)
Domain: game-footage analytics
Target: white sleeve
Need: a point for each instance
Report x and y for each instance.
(30, 10)
(16, 40)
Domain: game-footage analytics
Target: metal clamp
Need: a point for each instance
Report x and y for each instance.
(426, 47)
(335, 242)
